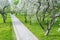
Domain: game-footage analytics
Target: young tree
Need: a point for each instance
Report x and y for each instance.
(3, 5)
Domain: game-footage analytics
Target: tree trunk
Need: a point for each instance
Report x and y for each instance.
(25, 19)
(47, 32)
(30, 20)
(4, 17)
(38, 18)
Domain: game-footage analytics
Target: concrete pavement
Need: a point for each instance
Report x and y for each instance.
(22, 33)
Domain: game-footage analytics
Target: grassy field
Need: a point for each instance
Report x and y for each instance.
(6, 29)
(38, 32)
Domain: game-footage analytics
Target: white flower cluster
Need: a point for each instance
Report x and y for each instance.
(3, 3)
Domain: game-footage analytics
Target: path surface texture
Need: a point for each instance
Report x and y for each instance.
(22, 33)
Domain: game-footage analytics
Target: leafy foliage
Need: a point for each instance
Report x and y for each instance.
(15, 2)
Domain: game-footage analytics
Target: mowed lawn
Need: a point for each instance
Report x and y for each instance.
(38, 32)
(6, 29)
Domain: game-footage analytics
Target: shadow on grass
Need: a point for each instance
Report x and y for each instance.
(54, 35)
(5, 23)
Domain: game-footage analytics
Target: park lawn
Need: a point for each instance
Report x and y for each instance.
(38, 32)
(6, 29)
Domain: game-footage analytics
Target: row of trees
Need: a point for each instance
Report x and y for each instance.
(49, 15)
(45, 12)
(7, 6)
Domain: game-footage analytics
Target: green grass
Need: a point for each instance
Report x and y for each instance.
(6, 29)
(38, 32)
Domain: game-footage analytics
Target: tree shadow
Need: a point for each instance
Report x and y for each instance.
(5, 23)
(57, 35)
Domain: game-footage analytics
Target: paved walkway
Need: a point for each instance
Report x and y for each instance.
(22, 33)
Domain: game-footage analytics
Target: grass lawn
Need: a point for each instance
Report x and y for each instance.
(38, 32)
(6, 29)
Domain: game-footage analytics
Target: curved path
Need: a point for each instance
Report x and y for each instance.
(22, 33)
